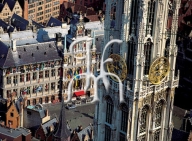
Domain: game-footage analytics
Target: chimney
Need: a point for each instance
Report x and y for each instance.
(46, 113)
(10, 126)
(34, 28)
(58, 39)
(13, 45)
(64, 25)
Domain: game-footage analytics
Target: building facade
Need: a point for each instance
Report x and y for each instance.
(8, 8)
(9, 114)
(41, 11)
(33, 73)
(151, 78)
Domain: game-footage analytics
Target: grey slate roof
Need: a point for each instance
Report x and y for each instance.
(3, 53)
(22, 34)
(38, 108)
(19, 22)
(62, 133)
(37, 24)
(42, 52)
(84, 132)
(14, 132)
(54, 22)
(11, 3)
(49, 33)
(49, 123)
(23, 37)
(7, 26)
(97, 25)
(4, 37)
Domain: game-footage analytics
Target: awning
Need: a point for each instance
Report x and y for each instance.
(79, 93)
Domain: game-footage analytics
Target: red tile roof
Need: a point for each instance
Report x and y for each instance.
(93, 18)
(79, 8)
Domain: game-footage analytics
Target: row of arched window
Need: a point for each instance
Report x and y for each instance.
(132, 54)
(40, 100)
(144, 120)
(149, 19)
(147, 52)
(109, 114)
(135, 4)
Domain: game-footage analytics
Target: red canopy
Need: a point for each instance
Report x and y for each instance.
(79, 93)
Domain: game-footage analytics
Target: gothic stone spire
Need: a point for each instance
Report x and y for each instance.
(62, 133)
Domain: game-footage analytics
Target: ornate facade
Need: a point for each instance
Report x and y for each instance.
(146, 113)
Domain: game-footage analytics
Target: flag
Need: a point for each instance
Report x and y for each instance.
(24, 91)
(80, 71)
(76, 75)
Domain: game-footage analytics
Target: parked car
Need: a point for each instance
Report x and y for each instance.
(70, 106)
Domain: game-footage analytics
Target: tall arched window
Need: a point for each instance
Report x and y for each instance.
(134, 15)
(109, 110)
(143, 119)
(34, 101)
(124, 117)
(130, 56)
(150, 17)
(46, 99)
(158, 113)
(167, 47)
(147, 53)
(28, 102)
(109, 113)
(40, 100)
(156, 135)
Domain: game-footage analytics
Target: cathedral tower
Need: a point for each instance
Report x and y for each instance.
(149, 51)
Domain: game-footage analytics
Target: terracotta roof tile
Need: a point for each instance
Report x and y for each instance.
(93, 18)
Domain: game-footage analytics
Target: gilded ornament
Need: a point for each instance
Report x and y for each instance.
(117, 67)
(159, 70)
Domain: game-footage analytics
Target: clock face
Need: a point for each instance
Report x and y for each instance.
(117, 66)
(159, 70)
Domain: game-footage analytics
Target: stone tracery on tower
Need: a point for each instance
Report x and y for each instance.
(142, 25)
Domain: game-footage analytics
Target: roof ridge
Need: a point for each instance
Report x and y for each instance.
(6, 56)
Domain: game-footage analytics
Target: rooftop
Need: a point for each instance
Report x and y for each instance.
(38, 108)
(84, 132)
(49, 123)
(14, 133)
(54, 22)
(28, 54)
